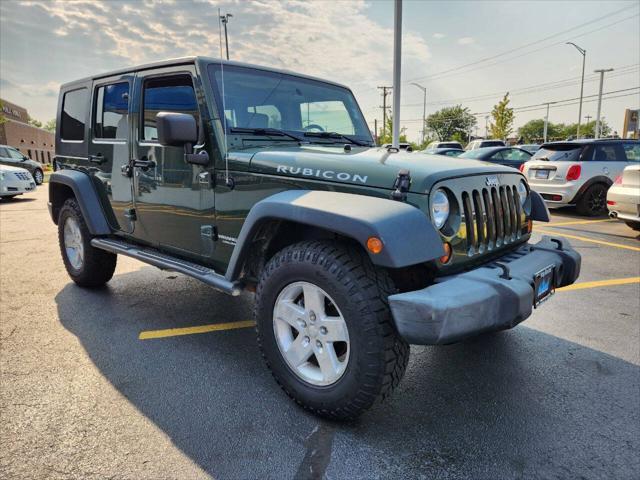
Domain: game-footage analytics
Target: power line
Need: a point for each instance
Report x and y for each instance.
(507, 52)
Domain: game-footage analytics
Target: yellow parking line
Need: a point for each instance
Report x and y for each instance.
(600, 283)
(591, 240)
(580, 222)
(174, 332)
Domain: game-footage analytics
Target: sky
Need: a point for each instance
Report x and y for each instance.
(462, 52)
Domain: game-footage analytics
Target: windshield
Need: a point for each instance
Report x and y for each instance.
(258, 99)
(558, 153)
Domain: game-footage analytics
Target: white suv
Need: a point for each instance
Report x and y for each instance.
(579, 172)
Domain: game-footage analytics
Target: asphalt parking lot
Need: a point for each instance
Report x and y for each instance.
(104, 384)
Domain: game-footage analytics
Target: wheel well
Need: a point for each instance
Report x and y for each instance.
(274, 235)
(58, 194)
(587, 186)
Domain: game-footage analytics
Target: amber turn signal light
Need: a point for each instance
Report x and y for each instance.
(374, 245)
(447, 253)
(529, 225)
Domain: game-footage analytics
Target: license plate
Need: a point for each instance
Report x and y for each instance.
(544, 285)
(542, 174)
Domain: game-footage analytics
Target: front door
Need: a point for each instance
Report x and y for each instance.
(109, 147)
(173, 199)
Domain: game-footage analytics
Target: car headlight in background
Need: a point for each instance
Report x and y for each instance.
(439, 208)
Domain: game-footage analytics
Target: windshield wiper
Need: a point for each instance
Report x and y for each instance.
(336, 135)
(266, 131)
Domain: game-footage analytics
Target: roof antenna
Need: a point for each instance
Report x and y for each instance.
(228, 181)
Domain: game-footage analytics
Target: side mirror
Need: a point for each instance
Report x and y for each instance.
(180, 130)
(176, 129)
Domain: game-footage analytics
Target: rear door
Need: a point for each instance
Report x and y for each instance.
(607, 159)
(173, 199)
(109, 146)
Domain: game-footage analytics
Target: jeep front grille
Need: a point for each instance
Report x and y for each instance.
(492, 217)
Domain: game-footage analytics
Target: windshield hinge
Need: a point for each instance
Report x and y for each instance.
(401, 185)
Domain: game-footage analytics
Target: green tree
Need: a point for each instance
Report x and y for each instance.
(50, 126)
(449, 121)
(35, 123)
(587, 130)
(503, 117)
(387, 137)
(533, 130)
(2, 117)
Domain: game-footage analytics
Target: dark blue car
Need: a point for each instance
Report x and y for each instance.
(508, 156)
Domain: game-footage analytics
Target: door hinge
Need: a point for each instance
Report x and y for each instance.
(401, 185)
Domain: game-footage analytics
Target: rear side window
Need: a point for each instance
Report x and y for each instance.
(74, 113)
(167, 94)
(111, 111)
(632, 151)
(608, 153)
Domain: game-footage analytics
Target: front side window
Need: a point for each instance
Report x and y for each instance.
(256, 99)
(632, 151)
(111, 111)
(74, 113)
(16, 155)
(497, 156)
(516, 155)
(167, 94)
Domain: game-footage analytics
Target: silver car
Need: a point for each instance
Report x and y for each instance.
(579, 172)
(623, 198)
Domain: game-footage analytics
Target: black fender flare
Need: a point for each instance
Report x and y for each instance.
(592, 181)
(408, 236)
(86, 196)
(539, 209)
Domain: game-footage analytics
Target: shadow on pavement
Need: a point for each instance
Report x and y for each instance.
(514, 404)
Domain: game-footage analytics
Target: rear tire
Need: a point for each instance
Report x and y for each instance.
(372, 360)
(593, 201)
(86, 265)
(633, 225)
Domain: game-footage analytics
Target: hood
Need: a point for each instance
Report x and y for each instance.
(7, 168)
(372, 167)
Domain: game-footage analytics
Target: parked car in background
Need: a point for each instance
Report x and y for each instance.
(484, 143)
(530, 147)
(449, 152)
(433, 146)
(508, 156)
(623, 198)
(15, 181)
(580, 172)
(403, 146)
(13, 158)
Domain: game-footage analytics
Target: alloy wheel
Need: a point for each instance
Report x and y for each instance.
(73, 243)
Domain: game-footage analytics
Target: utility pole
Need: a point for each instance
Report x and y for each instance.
(375, 130)
(397, 65)
(601, 72)
(486, 126)
(225, 20)
(385, 92)
(584, 57)
(424, 110)
(588, 117)
(546, 124)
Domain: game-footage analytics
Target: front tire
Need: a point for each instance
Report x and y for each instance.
(594, 201)
(325, 328)
(86, 265)
(38, 176)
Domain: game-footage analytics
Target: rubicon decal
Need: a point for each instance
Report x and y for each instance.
(324, 174)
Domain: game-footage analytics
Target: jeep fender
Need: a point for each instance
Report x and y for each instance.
(406, 232)
(86, 196)
(539, 209)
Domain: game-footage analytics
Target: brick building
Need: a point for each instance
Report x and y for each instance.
(15, 131)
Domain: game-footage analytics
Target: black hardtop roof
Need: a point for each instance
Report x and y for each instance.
(192, 60)
(588, 141)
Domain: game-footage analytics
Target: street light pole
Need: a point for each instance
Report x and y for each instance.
(225, 20)
(397, 63)
(486, 126)
(424, 110)
(601, 72)
(584, 56)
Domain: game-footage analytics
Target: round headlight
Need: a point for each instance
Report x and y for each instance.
(439, 208)
(523, 193)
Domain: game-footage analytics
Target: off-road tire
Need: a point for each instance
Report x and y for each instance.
(593, 201)
(378, 356)
(98, 265)
(633, 225)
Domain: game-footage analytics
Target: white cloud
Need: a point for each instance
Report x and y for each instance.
(466, 41)
(439, 35)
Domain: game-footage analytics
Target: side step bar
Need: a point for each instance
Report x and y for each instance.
(167, 262)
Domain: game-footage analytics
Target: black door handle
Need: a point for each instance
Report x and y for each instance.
(143, 163)
(99, 159)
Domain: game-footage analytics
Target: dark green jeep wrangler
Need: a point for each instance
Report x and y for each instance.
(250, 178)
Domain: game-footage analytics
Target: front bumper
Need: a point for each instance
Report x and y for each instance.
(10, 187)
(496, 296)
